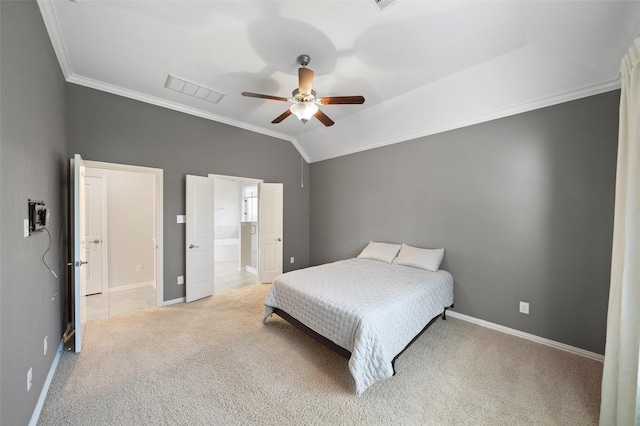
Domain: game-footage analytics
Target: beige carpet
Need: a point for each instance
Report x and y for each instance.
(213, 362)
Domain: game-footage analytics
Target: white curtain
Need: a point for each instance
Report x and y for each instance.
(620, 382)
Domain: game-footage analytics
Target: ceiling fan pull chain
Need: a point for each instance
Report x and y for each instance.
(302, 159)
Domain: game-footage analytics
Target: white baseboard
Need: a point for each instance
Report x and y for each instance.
(45, 388)
(173, 301)
(532, 337)
(130, 286)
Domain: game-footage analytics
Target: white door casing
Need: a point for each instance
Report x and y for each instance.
(270, 231)
(79, 261)
(94, 207)
(199, 278)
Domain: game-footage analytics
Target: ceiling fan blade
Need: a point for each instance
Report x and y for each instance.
(282, 117)
(305, 80)
(258, 95)
(323, 118)
(332, 100)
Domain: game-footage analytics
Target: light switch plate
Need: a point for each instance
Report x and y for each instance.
(182, 218)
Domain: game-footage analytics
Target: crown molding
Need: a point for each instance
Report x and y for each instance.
(131, 94)
(301, 149)
(481, 118)
(53, 28)
(457, 124)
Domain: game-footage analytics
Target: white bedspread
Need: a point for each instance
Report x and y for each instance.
(371, 308)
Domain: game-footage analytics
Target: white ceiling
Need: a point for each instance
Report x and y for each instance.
(422, 66)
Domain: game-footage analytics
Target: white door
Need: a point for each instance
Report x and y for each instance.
(94, 186)
(79, 260)
(269, 231)
(199, 238)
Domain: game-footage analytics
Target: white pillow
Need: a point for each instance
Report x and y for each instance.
(428, 259)
(384, 252)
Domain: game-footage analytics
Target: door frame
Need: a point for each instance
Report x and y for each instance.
(105, 241)
(158, 216)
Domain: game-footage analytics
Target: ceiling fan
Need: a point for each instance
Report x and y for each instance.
(305, 102)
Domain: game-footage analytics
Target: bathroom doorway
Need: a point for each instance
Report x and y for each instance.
(235, 232)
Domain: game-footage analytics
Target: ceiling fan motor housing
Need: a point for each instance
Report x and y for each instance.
(296, 96)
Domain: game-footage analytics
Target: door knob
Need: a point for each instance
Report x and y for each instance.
(95, 241)
(279, 239)
(192, 246)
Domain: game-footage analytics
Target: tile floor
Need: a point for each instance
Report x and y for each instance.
(227, 277)
(108, 305)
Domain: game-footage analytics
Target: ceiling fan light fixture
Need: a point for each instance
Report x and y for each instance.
(304, 110)
(304, 100)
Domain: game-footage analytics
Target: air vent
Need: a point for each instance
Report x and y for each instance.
(384, 4)
(192, 89)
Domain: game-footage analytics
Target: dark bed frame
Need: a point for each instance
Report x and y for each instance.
(339, 349)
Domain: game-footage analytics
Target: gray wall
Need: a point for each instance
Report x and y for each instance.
(105, 127)
(33, 164)
(522, 205)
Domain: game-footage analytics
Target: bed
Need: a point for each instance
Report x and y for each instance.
(367, 309)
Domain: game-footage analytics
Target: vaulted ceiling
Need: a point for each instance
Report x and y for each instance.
(422, 66)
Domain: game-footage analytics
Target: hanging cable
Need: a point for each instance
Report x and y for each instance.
(44, 262)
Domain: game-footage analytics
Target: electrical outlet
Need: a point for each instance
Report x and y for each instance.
(181, 218)
(45, 345)
(292, 260)
(524, 308)
(180, 280)
(29, 379)
(138, 268)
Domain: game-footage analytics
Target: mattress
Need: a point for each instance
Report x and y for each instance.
(372, 309)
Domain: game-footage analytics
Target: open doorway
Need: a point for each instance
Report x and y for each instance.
(235, 232)
(216, 226)
(122, 239)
